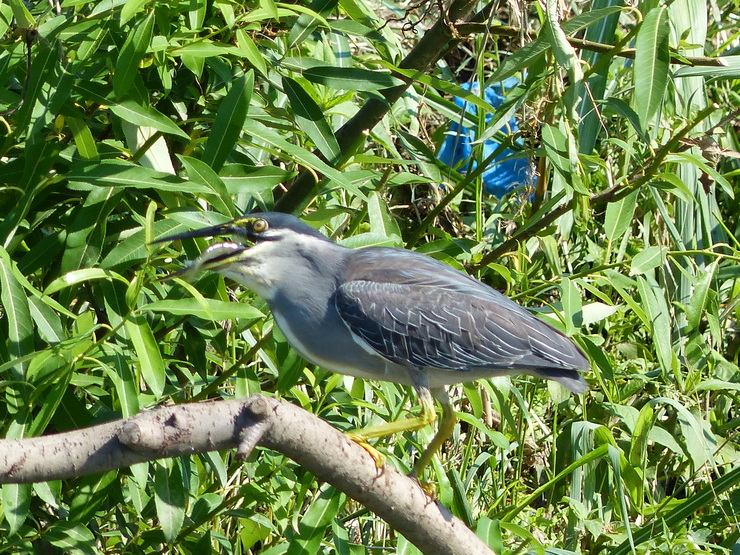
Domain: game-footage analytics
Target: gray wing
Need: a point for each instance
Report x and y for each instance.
(419, 312)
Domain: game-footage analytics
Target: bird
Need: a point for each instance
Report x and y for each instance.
(385, 313)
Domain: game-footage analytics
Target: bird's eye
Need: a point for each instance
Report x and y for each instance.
(259, 225)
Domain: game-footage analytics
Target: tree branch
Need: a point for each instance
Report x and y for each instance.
(472, 28)
(198, 427)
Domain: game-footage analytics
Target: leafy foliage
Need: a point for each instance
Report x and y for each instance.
(123, 122)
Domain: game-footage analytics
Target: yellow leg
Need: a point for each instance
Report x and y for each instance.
(428, 415)
(446, 427)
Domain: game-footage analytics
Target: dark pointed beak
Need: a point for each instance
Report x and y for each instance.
(212, 231)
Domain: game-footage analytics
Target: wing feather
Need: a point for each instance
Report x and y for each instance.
(431, 316)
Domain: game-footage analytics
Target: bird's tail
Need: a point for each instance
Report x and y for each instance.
(570, 379)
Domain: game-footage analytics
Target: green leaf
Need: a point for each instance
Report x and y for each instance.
(170, 498)
(381, 220)
(134, 249)
(619, 216)
(146, 116)
(307, 22)
(83, 138)
(351, 78)
(71, 538)
(300, 155)
(16, 500)
(132, 52)
(319, 515)
(200, 172)
(130, 9)
(87, 231)
(207, 309)
(652, 60)
(147, 353)
(202, 49)
(698, 301)
(81, 276)
(17, 312)
(656, 309)
(572, 305)
(126, 174)
(310, 119)
(23, 18)
(227, 125)
(647, 259)
(531, 52)
(250, 52)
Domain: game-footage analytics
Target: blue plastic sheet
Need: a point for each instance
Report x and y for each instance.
(505, 172)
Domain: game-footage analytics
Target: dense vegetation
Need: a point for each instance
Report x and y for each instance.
(126, 121)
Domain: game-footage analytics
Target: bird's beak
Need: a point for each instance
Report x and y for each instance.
(213, 258)
(212, 231)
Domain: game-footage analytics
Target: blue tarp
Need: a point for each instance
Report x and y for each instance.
(505, 172)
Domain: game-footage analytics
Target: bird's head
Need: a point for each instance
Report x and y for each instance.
(260, 241)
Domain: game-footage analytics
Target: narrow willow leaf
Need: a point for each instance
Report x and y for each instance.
(17, 312)
(147, 353)
(302, 156)
(201, 50)
(307, 22)
(87, 231)
(319, 515)
(572, 305)
(71, 537)
(213, 310)
(652, 59)
(133, 250)
(380, 217)
(21, 15)
(351, 78)
(647, 259)
(656, 309)
(146, 116)
(310, 119)
(698, 301)
(47, 321)
(80, 276)
(16, 500)
(604, 32)
(640, 435)
(219, 197)
(118, 368)
(531, 52)
(227, 125)
(619, 217)
(126, 174)
(90, 493)
(250, 52)
(170, 498)
(131, 54)
(130, 9)
(83, 137)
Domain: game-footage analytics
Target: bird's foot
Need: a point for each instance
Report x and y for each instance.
(360, 440)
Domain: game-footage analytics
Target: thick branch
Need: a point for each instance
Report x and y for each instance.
(199, 427)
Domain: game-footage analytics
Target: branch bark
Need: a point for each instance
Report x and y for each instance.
(199, 427)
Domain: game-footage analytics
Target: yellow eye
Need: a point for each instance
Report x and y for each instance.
(259, 225)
